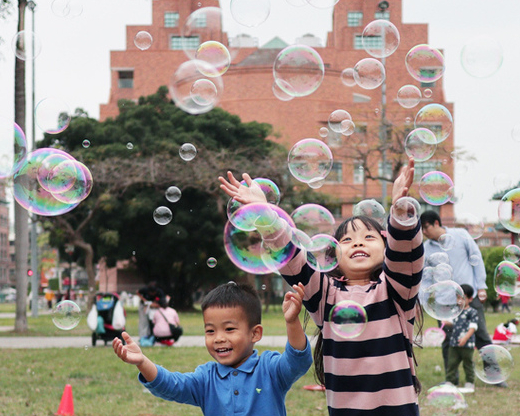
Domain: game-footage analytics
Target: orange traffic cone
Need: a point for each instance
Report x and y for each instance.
(66, 404)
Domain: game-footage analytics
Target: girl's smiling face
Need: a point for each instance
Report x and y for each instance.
(361, 250)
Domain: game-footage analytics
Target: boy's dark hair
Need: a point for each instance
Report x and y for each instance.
(429, 217)
(232, 294)
(163, 303)
(468, 290)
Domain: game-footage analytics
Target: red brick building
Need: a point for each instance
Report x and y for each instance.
(248, 90)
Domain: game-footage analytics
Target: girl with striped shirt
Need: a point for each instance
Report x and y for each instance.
(372, 374)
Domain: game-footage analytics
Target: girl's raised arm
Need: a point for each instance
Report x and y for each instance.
(241, 193)
(403, 181)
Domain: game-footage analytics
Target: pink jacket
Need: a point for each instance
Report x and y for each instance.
(161, 326)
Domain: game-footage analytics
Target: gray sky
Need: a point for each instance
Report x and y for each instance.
(74, 66)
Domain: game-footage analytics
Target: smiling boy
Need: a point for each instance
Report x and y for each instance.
(240, 381)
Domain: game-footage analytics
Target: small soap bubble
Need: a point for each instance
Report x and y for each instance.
(421, 144)
(324, 132)
(446, 241)
(347, 77)
(173, 194)
(512, 253)
(264, 287)
(433, 337)
(443, 300)
(336, 119)
(66, 315)
(424, 63)
(86, 143)
(323, 254)
(22, 45)
(129, 146)
(493, 364)
(187, 152)
(204, 92)
(408, 96)
(162, 215)
(211, 262)
(442, 272)
(435, 115)
(143, 40)
(428, 93)
(474, 260)
(348, 319)
(434, 188)
(473, 224)
(215, 54)
(313, 219)
(280, 93)
(52, 115)
(369, 73)
(435, 259)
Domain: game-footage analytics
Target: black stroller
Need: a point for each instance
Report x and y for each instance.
(107, 318)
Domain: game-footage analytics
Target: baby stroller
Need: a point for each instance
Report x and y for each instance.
(107, 318)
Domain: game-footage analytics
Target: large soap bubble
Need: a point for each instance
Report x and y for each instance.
(435, 188)
(424, 63)
(507, 278)
(66, 315)
(348, 319)
(444, 300)
(313, 219)
(436, 118)
(380, 38)
(323, 254)
(482, 57)
(493, 364)
(420, 143)
(370, 208)
(310, 159)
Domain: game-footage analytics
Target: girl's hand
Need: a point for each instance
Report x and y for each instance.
(244, 194)
(129, 353)
(292, 303)
(403, 181)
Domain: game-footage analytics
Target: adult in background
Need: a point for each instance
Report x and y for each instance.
(150, 296)
(468, 272)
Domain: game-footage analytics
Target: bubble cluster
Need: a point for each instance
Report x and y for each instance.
(509, 210)
(420, 143)
(435, 188)
(310, 159)
(409, 96)
(348, 319)
(66, 315)
(424, 63)
(507, 278)
(369, 73)
(380, 38)
(338, 121)
(436, 118)
(162, 215)
(493, 364)
(443, 300)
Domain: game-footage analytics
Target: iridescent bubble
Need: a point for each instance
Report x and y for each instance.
(405, 211)
(512, 253)
(433, 337)
(493, 364)
(323, 254)
(442, 272)
(435, 259)
(300, 239)
(380, 38)
(369, 73)
(446, 400)
(436, 118)
(301, 68)
(348, 319)
(250, 13)
(324, 132)
(86, 143)
(57, 174)
(507, 278)
(420, 143)
(81, 186)
(281, 94)
(13, 147)
(187, 152)
(187, 77)
(424, 63)
(409, 96)
(444, 300)
(336, 119)
(473, 224)
(66, 315)
(482, 57)
(173, 194)
(428, 93)
(22, 45)
(269, 188)
(215, 54)
(310, 159)
(52, 115)
(313, 219)
(246, 217)
(446, 241)
(162, 215)
(370, 208)
(211, 262)
(434, 188)
(143, 40)
(509, 210)
(347, 77)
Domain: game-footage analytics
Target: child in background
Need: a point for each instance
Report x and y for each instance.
(163, 317)
(240, 381)
(372, 374)
(462, 342)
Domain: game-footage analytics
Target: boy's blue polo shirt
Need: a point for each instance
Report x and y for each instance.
(256, 388)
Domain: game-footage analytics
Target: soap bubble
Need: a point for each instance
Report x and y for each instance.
(435, 259)
(313, 219)
(216, 55)
(173, 194)
(246, 216)
(162, 215)
(473, 225)
(250, 13)
(409, 96)
(433, 337)
(309, 159)
(482, 57)
(424, 63)
(493, 364)
(369, 73)
(57, 174)
(187, 152)
(22, 45)
(324, 132)
(281, 94)
(347, 77)
(405, 211)
(427, 93)
(211, 262)
(204, 92)
(444, 300)
(143, 40)
(436, 118)
(434, 188)
(129, 146)
(337, 119)
(370, 208)
(474, 259)
(512, 253)
(323, 254)
(507, 279)
(13, 147)
(447, 400)
(348, 319)
(446, 241)
(86, 143)
(52, 115)
(380, 38)
(268, 187)
(66, 315)
(300, 239)
(301, 68)
(509, 210)
(442, 272)
(420, 143)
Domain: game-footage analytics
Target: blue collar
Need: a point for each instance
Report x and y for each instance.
(248, 366)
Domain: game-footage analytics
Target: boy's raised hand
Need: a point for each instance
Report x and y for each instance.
(404, 181)
(129, 353)
(292, 303)
(243, 194)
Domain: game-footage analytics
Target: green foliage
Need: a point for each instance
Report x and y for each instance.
(492, 256)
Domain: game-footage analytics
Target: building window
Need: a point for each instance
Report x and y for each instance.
(126, 79)
(385, 172)
(200, 20)
(178, 43)
(355, 19)
(382, 15)
(359, 173)
(371, 42)
(360, 98)
(171, 19)
(336, 173)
